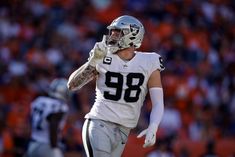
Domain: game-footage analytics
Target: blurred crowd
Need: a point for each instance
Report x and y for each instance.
(44, 39)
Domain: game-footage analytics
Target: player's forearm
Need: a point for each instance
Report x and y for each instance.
(156, 95)
(81, 77)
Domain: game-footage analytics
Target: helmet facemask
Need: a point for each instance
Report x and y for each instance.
(112, 39)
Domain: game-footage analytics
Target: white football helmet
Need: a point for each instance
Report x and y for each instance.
(132, 33)
(58, 89)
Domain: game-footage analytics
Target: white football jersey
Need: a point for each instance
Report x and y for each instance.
(41, 108)
(121, 87)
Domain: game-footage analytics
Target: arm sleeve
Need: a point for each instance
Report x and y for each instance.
(156, 95)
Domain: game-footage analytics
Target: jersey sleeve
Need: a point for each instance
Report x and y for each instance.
(157, 62)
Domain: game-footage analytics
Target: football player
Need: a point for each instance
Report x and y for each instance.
(48, 115)
(123, 78)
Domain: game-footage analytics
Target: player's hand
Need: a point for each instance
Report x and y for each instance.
(98, 52)
(150, 135)
(57, 152)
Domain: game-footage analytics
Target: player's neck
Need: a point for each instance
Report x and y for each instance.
(126, 54)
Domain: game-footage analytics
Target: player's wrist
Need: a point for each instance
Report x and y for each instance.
(93, 62)
(153, 127)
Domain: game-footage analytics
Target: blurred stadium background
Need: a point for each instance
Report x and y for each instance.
(44, 39)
